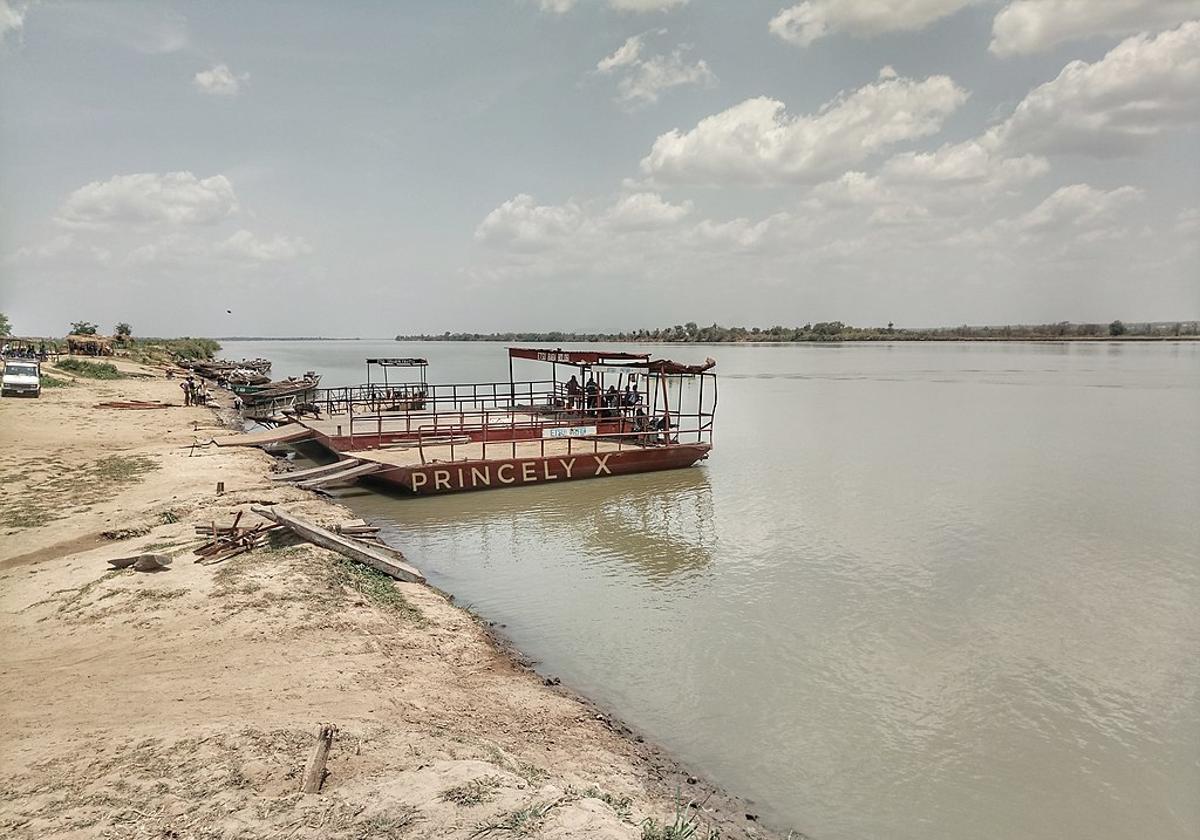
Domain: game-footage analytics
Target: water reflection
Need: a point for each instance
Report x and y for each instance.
(660, 525)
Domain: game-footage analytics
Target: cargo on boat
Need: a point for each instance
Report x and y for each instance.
(598, 414)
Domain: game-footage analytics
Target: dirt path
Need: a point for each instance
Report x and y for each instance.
(183, 704)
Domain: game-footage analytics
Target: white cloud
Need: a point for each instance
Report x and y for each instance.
(244, 245)
(220, 81)
(1026, 26)
(177, 198)
(1079, 208)
(646, 5)
(1113, 106)
(814, 19)
(522, 224)
(12, 18)
(62, 249)
(625, 55)
(1187, 222)
(757, 142)
(644, 211)
(560, 7)
(969, 163)
(241, 247)
(642, 79)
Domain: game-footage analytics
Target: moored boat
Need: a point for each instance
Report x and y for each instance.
(616, 414)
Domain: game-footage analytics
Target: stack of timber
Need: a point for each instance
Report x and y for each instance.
(381, 558)
(230, 541)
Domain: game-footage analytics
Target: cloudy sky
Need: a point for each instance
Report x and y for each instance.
(368, 168)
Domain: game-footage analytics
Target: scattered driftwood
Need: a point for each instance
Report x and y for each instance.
(142, 562)
(314, 771)
(390, 562)
(230, 540)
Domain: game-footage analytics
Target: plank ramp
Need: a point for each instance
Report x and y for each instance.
(284, 434)
(304, 475)
(390, 563)
(349, 474)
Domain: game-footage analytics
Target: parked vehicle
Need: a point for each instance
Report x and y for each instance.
(21, 377)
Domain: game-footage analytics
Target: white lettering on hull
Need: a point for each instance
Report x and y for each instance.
(512, 472)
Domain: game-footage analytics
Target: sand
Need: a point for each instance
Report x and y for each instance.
(183, 704)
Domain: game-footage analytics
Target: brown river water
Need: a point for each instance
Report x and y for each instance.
(918, 591)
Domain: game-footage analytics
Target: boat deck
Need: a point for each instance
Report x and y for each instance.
(499, 450)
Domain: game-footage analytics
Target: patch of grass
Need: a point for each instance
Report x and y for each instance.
(160, 594)
(385, 826)
(89, 370)
(522, 821)
(686, 825)
(474, 792)
(49, 381)
(49, 489)
(621, 805)
(375, 586)
(166, 349)
(126, 533)
(122, 468)
(531, 773)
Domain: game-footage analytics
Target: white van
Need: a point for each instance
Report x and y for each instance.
(21, 377)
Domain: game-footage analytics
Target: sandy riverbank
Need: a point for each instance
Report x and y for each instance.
(183, 704)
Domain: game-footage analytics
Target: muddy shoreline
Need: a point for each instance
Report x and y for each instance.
(271, 643)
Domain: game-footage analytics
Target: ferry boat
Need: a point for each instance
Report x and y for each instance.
(598, 414)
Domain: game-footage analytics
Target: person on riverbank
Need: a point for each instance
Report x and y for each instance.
(186, 387)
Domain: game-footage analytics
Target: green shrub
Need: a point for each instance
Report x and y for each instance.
(90, 370)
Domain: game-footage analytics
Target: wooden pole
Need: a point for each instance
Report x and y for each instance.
(314, 772)
(317, 535)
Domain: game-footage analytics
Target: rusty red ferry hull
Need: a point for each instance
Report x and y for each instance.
(460, 476)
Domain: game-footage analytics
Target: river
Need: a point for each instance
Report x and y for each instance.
(918, 591)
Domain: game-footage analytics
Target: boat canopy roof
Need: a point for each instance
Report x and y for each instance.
(587, 358)
(403, 362)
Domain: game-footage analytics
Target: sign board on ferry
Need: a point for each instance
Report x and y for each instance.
(568, 431)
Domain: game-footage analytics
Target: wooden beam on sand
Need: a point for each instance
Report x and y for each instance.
(347, 474)
(367, 555)
(303, 475)
(314, 771)
(284, 434)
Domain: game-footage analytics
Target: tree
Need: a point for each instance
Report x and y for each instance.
(83, 328)
(123, 331)
(5, 326)
(1116, 328)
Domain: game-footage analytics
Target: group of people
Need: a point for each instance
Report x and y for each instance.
(610, 403)
(195, 391)
(24, 351)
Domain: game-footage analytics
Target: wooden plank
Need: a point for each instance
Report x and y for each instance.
(301, 475)
(314, 772)
(345, 475)
(284, 434)
(366, 555)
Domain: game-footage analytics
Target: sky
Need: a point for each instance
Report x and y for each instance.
(374, 168)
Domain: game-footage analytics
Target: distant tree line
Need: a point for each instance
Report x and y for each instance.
(837, 331)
